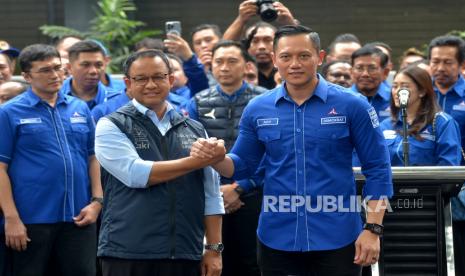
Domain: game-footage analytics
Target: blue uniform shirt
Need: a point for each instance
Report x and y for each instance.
(453, 103)
(309, 154)
(103, 93)
(110, 106)
(47, 149)
(380, 101)
(439, 147)
(115, 84)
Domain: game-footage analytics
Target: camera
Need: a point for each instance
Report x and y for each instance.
(266, 10)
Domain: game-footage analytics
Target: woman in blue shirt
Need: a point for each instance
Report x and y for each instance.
(434, 137)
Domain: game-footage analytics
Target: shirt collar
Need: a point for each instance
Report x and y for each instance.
(144, 110)
(458, 87)
(67, 89)
(384, 91)
(234, 95)
(321, 91)
(34, 99)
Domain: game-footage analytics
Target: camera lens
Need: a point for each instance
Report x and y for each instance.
(267, 11)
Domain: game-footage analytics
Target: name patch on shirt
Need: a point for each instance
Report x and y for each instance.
(373, 117)
(267, 122)
(459, 107)
(427, 136)
(389, 134)
(333, 120)
(78, 120)
(30, 121)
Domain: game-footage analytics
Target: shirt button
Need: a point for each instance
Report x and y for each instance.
(301, 214)
(333, 136)
(299, 110)
(299, 151)
(301, 193)
(300, 172)
(298, 130)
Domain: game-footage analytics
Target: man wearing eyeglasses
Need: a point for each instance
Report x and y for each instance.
(86, 65)
(50, 191)
(369, 69)
(160, 202)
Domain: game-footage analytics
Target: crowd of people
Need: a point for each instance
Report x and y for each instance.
(203, 159)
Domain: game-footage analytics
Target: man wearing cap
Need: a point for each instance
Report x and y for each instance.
(7, 61)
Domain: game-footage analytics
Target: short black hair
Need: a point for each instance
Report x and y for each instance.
(343, 38)
(247, 41)
(369, 50)
(150, 43)
(325, 67)
(143, 54)
(36, 52)
(85, 46)
(449, 40)
(291, 30)
(230, 43)
(175, 57)
(201, 27)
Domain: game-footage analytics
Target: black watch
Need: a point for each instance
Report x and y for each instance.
(217, 247)
(374, 228)
(97, 199)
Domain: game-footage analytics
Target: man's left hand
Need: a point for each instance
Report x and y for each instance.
(212, 263)
(88, 214)
(367, 248)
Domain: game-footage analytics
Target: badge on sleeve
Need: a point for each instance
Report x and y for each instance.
(373, 117)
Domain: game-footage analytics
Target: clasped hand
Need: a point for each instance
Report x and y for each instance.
(210, 150)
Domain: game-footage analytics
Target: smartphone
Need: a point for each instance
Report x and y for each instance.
(173, 27)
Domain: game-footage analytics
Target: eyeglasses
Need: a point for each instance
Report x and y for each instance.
(49, 70)
(370, 69)
(142, 80)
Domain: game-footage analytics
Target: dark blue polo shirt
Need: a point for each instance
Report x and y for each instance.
(47, 150)
(103, 93)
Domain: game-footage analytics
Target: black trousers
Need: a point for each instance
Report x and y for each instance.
(240, 238)
(337, 262)
(72, 248)
(458, 228)
(124, 267)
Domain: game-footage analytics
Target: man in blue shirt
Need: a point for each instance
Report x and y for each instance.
(50, 192)
(161, 202)
(446, 56)
(308, 129)
(369, 69)
(86, 65)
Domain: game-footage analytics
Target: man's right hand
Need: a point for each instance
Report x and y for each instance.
(16, 234)
(206, 59)
(211, 150)
(247, 9)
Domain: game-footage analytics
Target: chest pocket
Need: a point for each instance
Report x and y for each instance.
(422, 152)
(34, 135)
(78, 136)
(331, 142)
(271, 137)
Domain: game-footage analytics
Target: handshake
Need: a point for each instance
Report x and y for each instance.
(209, 151)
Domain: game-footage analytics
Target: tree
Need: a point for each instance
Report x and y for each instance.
(112, 27)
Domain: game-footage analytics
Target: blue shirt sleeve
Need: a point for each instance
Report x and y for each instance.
(247, 151)
(371, 150)
(213, 200)
(91, 135)
(97, 112)
(448, 150)
(6, 138)
(195, 72)
(118, 156)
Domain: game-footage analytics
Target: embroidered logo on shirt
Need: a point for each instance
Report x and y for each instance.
(333, 120)
(30, 121)
(140, 138)
(211, 114)
(268, 122)
(373, 117)
(389, 134)
(333, 112)
(78, 118)
(459, 107)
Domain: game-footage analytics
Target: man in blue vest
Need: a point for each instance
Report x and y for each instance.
(160, 202)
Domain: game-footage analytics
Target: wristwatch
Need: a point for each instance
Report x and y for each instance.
(217, 247)
(374, 228)
(97, 199)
